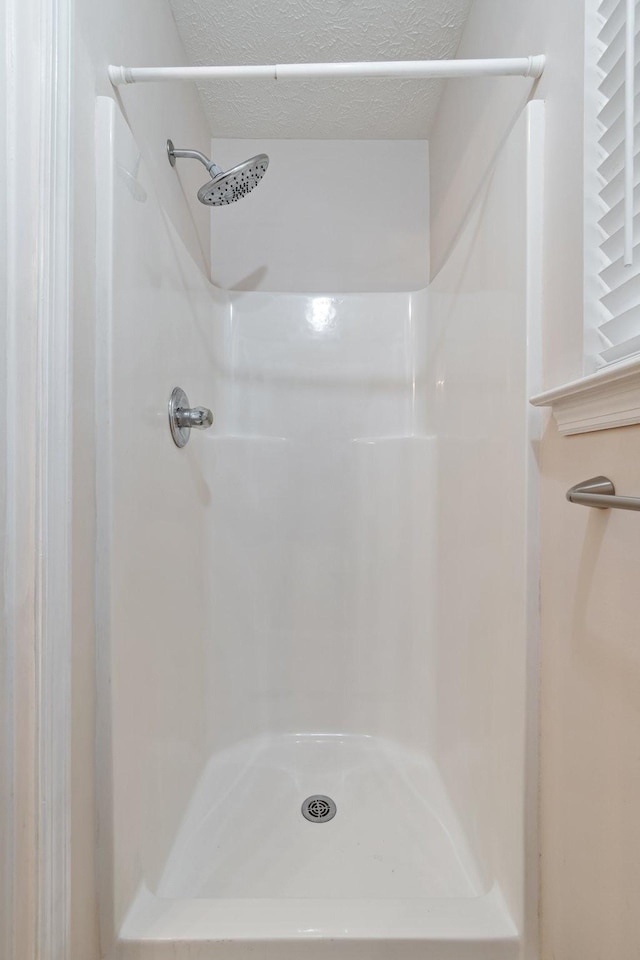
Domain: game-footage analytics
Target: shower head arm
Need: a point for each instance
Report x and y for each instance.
(174, 153)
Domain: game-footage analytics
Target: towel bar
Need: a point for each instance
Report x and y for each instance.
(600, 492)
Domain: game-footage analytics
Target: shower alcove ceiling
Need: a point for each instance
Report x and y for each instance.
(254, 31)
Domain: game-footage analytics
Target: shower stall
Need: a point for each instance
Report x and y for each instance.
(317, 620)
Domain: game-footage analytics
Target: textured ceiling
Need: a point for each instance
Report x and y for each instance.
(298, 31)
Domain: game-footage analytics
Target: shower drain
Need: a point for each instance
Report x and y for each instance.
(318, 808)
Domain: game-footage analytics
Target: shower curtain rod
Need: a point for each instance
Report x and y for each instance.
(403, 69)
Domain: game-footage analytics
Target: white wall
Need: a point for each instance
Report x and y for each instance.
(590, 780)
(157, 323)
(139, 33)
(321, 551)
(334, 215)
(117, 31)
(472, 121)
(483, 333)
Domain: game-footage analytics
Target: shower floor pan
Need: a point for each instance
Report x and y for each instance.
(390, 875)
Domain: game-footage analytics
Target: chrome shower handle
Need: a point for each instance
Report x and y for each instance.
(194, 417)
(183, 417)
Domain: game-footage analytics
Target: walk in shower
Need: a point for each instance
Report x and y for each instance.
(317, 661)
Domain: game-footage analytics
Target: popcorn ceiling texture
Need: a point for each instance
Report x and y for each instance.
(298, 31)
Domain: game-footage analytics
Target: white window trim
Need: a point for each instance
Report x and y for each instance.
(608, 396)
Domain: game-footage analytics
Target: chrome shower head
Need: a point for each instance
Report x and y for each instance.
(234, 184)
(226, 186)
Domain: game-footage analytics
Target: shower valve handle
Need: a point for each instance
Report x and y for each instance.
(194, 417)
(183, 417)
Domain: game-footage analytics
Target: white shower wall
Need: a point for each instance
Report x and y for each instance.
(330, 215)
(156, 327)
(484, 364)
(322, 397)
(315, 595)
(120, 31)
(321, 552)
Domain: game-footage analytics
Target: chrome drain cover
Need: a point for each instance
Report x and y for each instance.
(318, 808)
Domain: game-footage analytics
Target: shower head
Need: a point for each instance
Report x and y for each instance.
(226, 186)
(236, 183)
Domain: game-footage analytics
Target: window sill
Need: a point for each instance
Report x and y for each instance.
(605, 399)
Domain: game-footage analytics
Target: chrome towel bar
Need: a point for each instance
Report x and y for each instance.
(600, 492)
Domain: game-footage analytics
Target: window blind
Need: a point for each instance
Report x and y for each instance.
(618, 73)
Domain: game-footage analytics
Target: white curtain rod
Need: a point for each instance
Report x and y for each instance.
(404, 69)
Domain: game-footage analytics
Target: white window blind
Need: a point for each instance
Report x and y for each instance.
(618, 168)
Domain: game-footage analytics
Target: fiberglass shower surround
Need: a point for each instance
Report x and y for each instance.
(316, 701)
